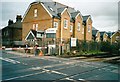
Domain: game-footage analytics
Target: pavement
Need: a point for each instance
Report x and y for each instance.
(27, 67)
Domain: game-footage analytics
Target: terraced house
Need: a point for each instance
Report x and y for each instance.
(95, 34)
(104, 36)
(65, 21)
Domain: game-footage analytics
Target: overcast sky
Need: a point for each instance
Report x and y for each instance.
(104, 13)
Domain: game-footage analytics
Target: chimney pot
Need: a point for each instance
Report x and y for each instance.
(18, 18)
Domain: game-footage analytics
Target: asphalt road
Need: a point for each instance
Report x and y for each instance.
(47, 68)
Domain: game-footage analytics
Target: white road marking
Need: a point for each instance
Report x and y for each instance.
(81, 79)
(24, 76)
(69, 79)
(9, 60)
(35, 68)
(59, 73)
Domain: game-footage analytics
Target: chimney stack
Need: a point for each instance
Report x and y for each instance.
(10, 22)
(18, 18)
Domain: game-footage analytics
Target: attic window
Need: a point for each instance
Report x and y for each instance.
(35, 12)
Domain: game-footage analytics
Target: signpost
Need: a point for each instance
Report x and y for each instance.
(73, 42)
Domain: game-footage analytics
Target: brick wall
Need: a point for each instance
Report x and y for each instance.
(43, 20)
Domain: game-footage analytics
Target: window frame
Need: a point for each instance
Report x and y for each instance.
(89, 28)
(82, 30)
(35, 26)
(78, 26)
(65, 23)
(55, 25)
(35, 12)
(71, 28)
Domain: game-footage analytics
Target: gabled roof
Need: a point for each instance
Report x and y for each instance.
(93, 28)
(74, 14)
(110, 34)
(16, 25)
(85, 18)
(31, 35)
(53, 8)
(115, 33)
(60, 10)
(94, 32)
(102, 33)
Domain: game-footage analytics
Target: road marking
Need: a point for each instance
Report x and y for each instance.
(9, 60)
(69, 79)
(46, 70)
(59, 73)
(81, 79)
(35, 68)
(23, 76)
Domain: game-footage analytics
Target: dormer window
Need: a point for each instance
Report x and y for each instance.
(35, 12)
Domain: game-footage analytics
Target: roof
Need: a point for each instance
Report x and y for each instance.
(33, 34)
(74, 14)
(85, 18)
(115, 33)
(110, 34)
(17, 25)
(102, 33)
(93, 28)
(54, 8)
(94, 32)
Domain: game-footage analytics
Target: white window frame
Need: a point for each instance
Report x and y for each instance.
(89, 28)
(78, 26)
(71, 28)
(82, 30)
(117, 37)
(55, 24)
(36, 27)
(35, 12)
(65, 23)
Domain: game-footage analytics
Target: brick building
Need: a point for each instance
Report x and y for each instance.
(114, 37)
(12, 32)
(95, 34)
(104, 36)
(67, 22)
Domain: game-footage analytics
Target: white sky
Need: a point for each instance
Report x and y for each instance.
(104, 13)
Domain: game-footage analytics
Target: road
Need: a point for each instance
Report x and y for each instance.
(20, 67)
